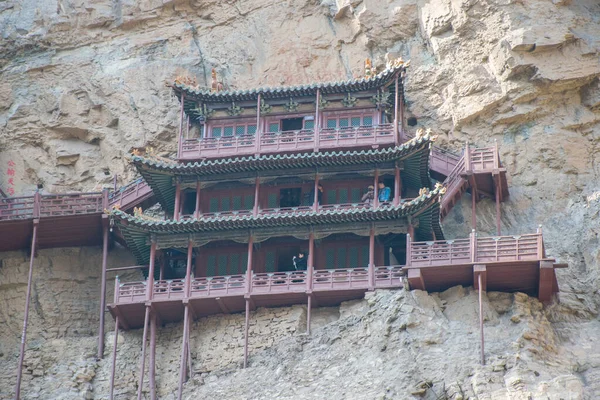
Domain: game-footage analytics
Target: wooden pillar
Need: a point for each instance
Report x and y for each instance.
(256, 194)
(316, 197)
(376, 188)
(152, 366)
(247, 321)
(143, 362)
(150, 280)
(103, 287)
(162, 266)
(186, 317)
(258, 130)
(197, 210)
(114, 360)
(396, 135)
(498, 232)
(481, 320)
(401, 116)
(188, 268)
(415, 279)
(27, 297)
(546, 281)
(309, 278)
(397, 186)
(372, 259)
(317, 122)
(177, 201)
(473, 213)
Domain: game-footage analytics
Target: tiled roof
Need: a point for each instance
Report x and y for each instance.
(352, 85)
(136, 230)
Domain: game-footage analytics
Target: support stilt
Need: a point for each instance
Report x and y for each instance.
(114, 360)
(26, 317)
(103, 290)
(308, 311)
(143, 363)
(372, 259)
(152, 367)
(498, 188)
(189, 352)
(481, 320)
(186, 317)
(246, 332)
(473, 214)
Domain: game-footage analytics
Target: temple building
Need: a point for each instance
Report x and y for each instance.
(311, 194)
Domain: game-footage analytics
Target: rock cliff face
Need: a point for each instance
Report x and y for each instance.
(82, 83)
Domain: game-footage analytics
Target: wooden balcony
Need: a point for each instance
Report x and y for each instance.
(287, 141)
(224, 294)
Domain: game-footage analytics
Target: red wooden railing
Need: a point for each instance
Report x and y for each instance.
(130, 195)
(71, 204)
(218, 286)
(277, 282)
(475, 250)
(275, 142)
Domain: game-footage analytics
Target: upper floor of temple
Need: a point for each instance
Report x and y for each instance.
(360, 113)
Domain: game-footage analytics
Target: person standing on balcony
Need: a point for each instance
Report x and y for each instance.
(299, 262)
(309, 199)
(369, 196)
(384, 193)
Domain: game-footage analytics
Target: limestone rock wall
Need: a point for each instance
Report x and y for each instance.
(82, 83)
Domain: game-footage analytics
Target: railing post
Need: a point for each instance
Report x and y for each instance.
(473, 240)
(104, 199)
(540, 243)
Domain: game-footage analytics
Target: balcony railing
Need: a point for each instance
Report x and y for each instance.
(476, 250)
(287, 141)
(129, 195)
(52, 205)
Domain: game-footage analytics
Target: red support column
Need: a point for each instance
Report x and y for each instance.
(309, 277)
(372, 259)
(473, 213)
(396, 136)
(402, 136)
(247, 297)
(397, 186)
(103, 286)
(114, 360)
(177, 201)
(317, 122)
(498, 189)
(247, 321)
(376, 189)
(316, 197)
(28, 296)
(256, 193)
(150, 280)
(481, 320)
(197, 210)
(258, 130)
(188, 268)
(186, 317)
(152, 366)
(143, 362)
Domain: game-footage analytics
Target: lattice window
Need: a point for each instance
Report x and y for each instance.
(341, 257)
(225, 203)
(355, 121)
(355, 195)
(272, 200)
(330, 258)
(234, 264)
(237, 203)
(251, 130)
(343, 122)
(309, 124)
(270, 261)
(332, 123)
(249, 202)
(343, 195)
(240, 130)
(353, 259)
(368, 121)
(274, 127)
(213, 204)
(216, 132)
(222, 267)
(211, 265)
(228, 131)
(331, 196)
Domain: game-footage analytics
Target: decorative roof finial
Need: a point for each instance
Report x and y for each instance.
(216, 85)
(369, 73)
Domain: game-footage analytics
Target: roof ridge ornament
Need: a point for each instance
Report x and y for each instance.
(216, 84)
(369, 72)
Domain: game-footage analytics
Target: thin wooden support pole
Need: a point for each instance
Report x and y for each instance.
(481, 320)
(256, 194)
(316, 197)
(498, 205)
(152, 366)
(317, 122)
(163, 261)
(189, 352)
(180, 136)
(376, 189)
(114, 359)
(150, 281)
(397, 186)
(143, 362)
(177, 202)
(247, 322)
(197, 210)
(188, 268)
(309, 278)
(26, 317)
(258, 134)
(308, 311)
(103, 290)
(473, 213)
(183, 349)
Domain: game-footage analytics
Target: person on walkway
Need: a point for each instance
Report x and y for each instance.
(300, 261)
(311, 196)
(369, 196)
(384, 193)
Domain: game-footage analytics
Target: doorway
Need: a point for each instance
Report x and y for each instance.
(285, 257)
(291, 124)
(290, 197)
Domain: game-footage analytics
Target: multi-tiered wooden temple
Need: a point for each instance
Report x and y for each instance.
(264, 175)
